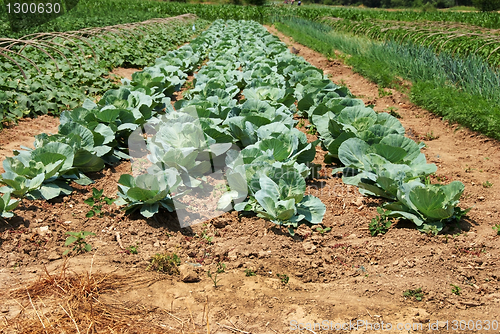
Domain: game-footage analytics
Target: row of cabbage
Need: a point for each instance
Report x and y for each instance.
(238, 118)
(94, 135)
(98, 134)
(381, 161)
(275, 158)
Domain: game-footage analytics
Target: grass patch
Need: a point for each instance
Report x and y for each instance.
(461, 90)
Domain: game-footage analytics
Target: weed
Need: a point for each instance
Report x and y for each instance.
(459, 214)
(439, 178)
(97, 201)
(455, 289)
(392, 112)
(395, 114)
(487, 184)
(430, 229)
(418, 294)
(78, 239)
(132, 249)
(322, 230)
(469, 169)
(284, 278)
(165, 263)
(496, 228)
(430, 136)
(221, 267)
(206, 237)
(311, 130)
(472, 251)
(380, 224)
(382, 92)
(301, 124)
(249, 272)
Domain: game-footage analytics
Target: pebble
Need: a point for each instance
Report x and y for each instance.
(188, 274)
(309, 248)
(232, 255)
(54, 256)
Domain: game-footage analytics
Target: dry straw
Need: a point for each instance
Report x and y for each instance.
(86, 303)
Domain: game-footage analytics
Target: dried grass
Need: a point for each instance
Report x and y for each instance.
(85, 303)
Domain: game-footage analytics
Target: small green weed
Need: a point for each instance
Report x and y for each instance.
(380, 224)
(249, 272)
(284, 278)
(132, 249)
(97, 201)
(206, 237)
(469, 169)
(430, 136)
(221, 267)
(311, 130)
(455, 289)
(382, 92)
(165, 263)
(429, 229)
(301, 124)
(393, 113)
(417, 294)
(496, 228)
(78, 239)
(487, 184)
(322, 230)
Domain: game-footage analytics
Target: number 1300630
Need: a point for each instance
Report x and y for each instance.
(477, 325)
(33, 8)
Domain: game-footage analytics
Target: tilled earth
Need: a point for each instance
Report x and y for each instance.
(273, 281)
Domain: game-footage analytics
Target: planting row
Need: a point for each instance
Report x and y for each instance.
(237, 121)
(93, 135)
(463, 90)
(48, 73)
(98, 13)
(453, 38)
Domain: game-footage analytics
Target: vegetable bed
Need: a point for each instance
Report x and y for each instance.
(240, 115)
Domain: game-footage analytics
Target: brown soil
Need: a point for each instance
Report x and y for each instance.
(121, 72)
(344, 275)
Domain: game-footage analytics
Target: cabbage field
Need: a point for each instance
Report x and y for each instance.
(234, 178)
(275, 157)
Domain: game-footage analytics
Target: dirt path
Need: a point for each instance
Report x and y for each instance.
(343, 276)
